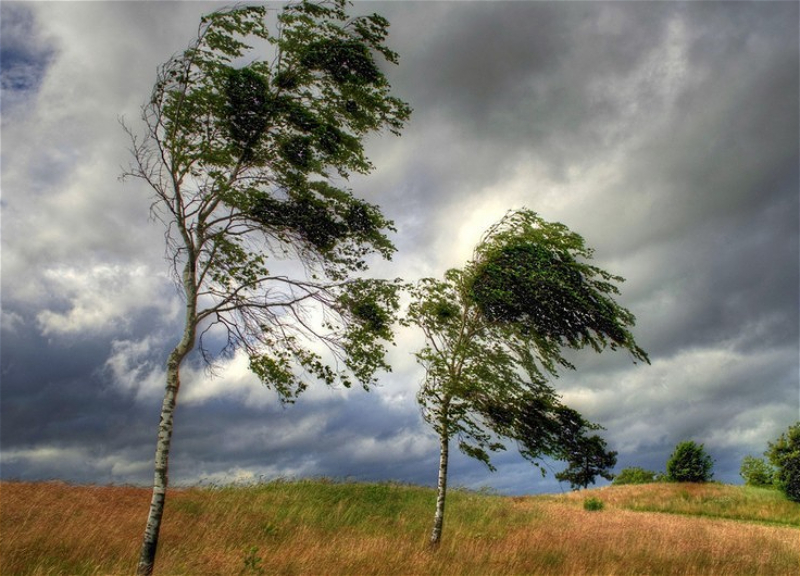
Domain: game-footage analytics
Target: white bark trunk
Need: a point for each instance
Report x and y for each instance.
(147, 555)
(441, 491)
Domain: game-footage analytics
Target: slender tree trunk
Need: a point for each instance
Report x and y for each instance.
(147, 555)
(441, 491)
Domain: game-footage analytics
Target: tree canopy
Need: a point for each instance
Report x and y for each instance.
(784, 455)
(494, 335)
(757, 472)
(248, 158)
(689, 462)
(533, 276)
(636, 475)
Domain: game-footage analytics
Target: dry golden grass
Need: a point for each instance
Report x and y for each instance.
(618, 541)
(345, 529)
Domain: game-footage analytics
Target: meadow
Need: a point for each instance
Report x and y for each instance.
(333, 528)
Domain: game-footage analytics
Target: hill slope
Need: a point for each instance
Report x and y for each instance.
(321, 527)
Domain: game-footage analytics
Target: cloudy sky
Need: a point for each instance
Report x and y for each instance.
(665, 133)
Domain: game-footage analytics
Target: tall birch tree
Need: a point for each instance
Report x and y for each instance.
(248, 157)
(494, 335)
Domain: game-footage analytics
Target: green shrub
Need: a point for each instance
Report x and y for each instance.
(252, 562)
(635, 475)
(784, 454)
(689, 463)
(757, 472)
(593, 504)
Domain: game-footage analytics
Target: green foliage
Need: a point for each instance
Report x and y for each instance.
(252, 562)
(593, 504)
(784, 454)
(588, 457)
(249, 136)
(757, 472)
(542, 426)
(689, 462)
(488, 354)
(712, 500)
(250, 133)
(325, 221)
(486, 371)
(469, 372)
(635, 475)
(528, 273)
(373, 306)
(248, 108)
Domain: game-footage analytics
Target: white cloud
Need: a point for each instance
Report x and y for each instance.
(746, 430)
(250, 475)
(41, 455)
(231, 379)
(48, 461)
(133, 369)
(717, 393)
(10, 321)
(102, 297)
(406, 444)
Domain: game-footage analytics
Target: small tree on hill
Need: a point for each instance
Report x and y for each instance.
(635, 475)
(587, 457)
(247, 158)
(757, 472)
(689, 463)
(784, 454)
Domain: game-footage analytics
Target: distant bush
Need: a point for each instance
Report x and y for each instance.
(635, 475)
(757, 472)
(689, 463)
(784, 454)
(593, 504)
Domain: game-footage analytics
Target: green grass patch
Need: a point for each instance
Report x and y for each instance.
(593, 504)
(744, 503)
(364, 508)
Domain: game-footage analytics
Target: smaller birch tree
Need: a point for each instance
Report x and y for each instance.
(494, 334)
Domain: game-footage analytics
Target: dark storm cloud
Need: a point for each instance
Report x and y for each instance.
(333, 436)
(516, 78)
(62, 417)
(665, 133)
(24, 55)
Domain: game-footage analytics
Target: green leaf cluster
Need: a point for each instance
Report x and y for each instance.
(689, 462)
(288, 125)
(494, 334)
(326, 223)
(542, 426)
(587, 458)
(757, 472)
(635, 475)
(467, 371)
(593, 504)
(372, 306)
(534, 275)
(252, 132)
(248, 109)
(784, 454)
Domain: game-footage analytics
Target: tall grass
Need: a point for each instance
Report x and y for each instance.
(321, 527)
(712, 500)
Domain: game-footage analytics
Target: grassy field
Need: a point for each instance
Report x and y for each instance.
(321, 527)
